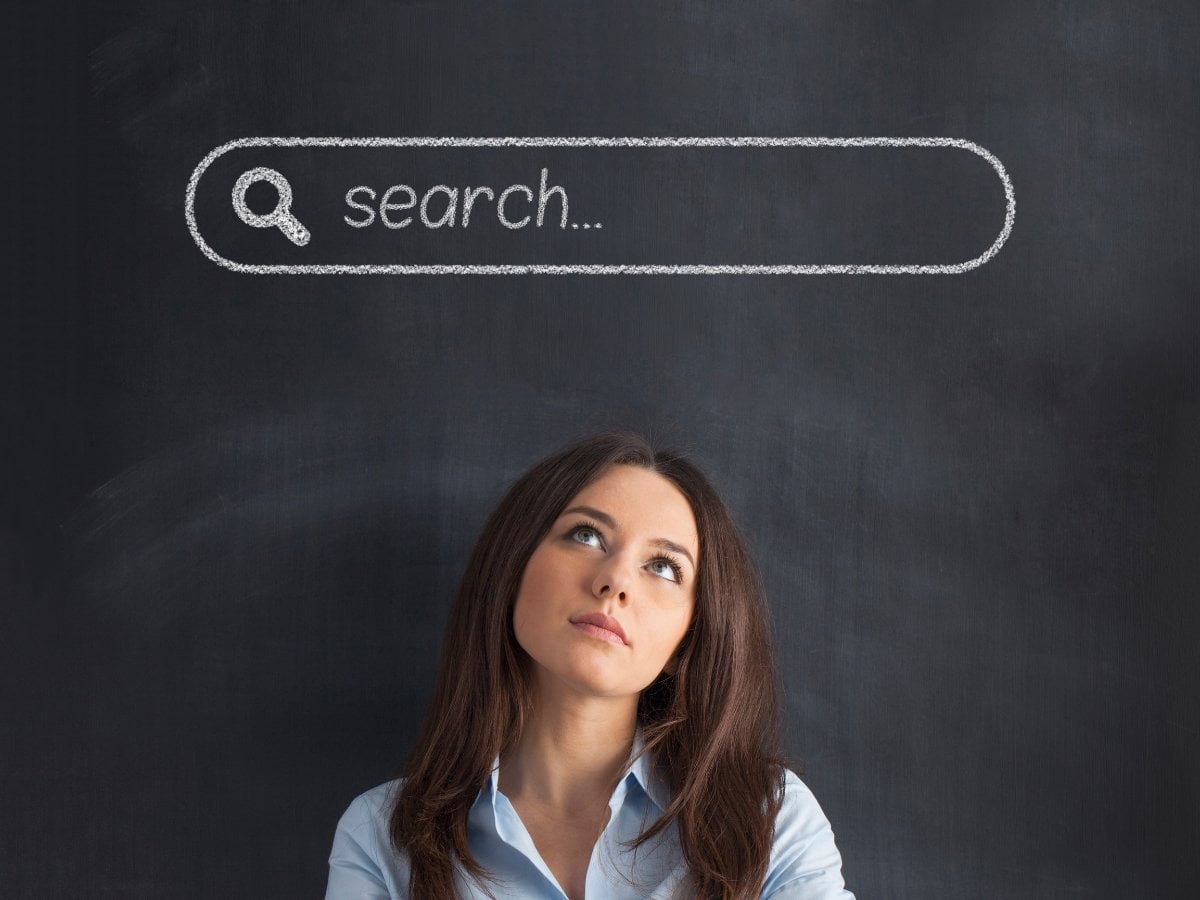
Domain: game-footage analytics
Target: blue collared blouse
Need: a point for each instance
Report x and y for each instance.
(804, 862)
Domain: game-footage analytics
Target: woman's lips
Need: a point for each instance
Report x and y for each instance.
(602, 621)
(602, 633)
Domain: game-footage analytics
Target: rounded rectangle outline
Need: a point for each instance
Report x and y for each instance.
(597, 268)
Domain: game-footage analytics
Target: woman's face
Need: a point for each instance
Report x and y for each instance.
(630, 555)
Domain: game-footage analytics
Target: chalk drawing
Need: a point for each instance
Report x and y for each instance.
(1010, 207)
(281, 216)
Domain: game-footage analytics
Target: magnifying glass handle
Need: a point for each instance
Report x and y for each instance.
(291, 227)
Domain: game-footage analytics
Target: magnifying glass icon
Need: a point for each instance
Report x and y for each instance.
(281, 216)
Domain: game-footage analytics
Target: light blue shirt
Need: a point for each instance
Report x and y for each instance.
(804, 862)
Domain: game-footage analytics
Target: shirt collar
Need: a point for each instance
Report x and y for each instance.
(648, 777)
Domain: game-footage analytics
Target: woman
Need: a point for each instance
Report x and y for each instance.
(605, 721)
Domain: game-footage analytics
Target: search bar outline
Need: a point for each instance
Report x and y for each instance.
(1010, 208)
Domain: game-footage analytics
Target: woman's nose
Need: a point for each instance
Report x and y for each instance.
(613, 580)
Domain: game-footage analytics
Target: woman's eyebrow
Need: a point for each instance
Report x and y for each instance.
(612, 523)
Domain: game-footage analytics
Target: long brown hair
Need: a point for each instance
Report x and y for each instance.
(713, 726)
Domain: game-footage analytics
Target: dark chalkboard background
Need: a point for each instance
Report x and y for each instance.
(236, 506)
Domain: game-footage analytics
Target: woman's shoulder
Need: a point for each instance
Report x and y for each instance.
(371, 807)
(803, 852)
(800, 812)
(796, 790)
(361, 864)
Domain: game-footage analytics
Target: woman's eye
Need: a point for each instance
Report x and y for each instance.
(583, 529)
(667, 570)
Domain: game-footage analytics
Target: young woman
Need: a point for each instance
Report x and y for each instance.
(605, 722)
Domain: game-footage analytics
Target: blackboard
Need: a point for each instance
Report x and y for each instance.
(954, 409)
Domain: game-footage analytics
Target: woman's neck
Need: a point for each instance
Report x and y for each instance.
(571, 753)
